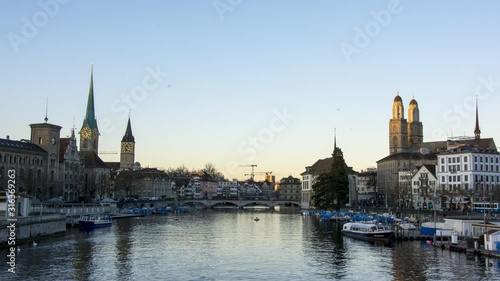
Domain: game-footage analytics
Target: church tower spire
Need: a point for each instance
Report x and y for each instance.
(127, 152)
(334, 139)
(128, 137)
(477, 131)
(89, 134)
(398, 127)
(415, 127)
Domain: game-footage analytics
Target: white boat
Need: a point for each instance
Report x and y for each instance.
(91, 221)
(368, 231)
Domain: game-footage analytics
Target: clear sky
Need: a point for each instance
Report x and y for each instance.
(238, 82)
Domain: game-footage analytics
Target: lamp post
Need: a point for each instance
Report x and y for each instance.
(434, 207)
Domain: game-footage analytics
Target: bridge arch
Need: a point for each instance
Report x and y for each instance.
(257, 203)
(194, 203)
(289, 203)
(224, 203)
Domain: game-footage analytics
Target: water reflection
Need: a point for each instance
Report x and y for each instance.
(123, 245)
(82, 259)
(230, 245)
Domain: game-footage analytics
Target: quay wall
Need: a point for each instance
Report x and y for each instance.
(73, 210)
(31, 228)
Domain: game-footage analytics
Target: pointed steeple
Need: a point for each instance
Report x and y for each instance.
(90, 113)
(46, 110)
(477, 131)
(89, 133)
(334, 138)
(128, 137)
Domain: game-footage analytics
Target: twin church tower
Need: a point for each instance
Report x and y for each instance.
(89, 133)
(405, 135)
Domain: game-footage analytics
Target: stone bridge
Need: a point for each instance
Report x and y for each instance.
(238, 203)
(206, 203)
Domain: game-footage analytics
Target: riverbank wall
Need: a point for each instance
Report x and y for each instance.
(27, 229)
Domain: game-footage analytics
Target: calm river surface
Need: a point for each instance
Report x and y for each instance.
(229, 245)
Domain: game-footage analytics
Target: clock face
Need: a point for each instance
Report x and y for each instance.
(127, 147)
(85, 133)
(53, 140)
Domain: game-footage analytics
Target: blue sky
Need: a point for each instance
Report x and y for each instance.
(226, 77)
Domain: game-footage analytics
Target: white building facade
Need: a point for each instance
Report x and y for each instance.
(468, 173)
(423, 188)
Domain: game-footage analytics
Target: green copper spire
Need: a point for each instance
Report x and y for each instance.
(90, 114)
(128, 137)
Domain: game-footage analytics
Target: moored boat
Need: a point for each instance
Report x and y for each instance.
(368, 231)
(91, 221)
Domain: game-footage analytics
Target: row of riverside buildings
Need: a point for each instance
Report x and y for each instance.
(415, 174)
(49, 166)
(449, 174)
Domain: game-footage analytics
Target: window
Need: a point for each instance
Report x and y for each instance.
(466, 178)
(443, 179)
(442, 161)
(442, 169)
(465, 158)
(465, 167)
(449, 178)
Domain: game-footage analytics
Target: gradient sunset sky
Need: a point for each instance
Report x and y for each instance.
(250, 82)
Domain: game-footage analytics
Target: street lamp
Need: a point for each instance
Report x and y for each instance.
(434, 207)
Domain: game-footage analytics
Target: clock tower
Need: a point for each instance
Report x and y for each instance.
(127, 152)
(89, 134)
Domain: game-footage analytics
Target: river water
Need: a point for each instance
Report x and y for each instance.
(230, 245)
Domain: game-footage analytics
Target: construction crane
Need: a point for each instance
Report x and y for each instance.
(108, 152)
(251, 165)
(268, 174)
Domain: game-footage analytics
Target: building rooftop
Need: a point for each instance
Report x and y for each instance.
(24, 146)
(408, 156)
(92, 160)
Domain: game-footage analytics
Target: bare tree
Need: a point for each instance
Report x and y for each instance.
(125, 182)
(212, 171)
(496, 193)
(179, 171)
(102, 185)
